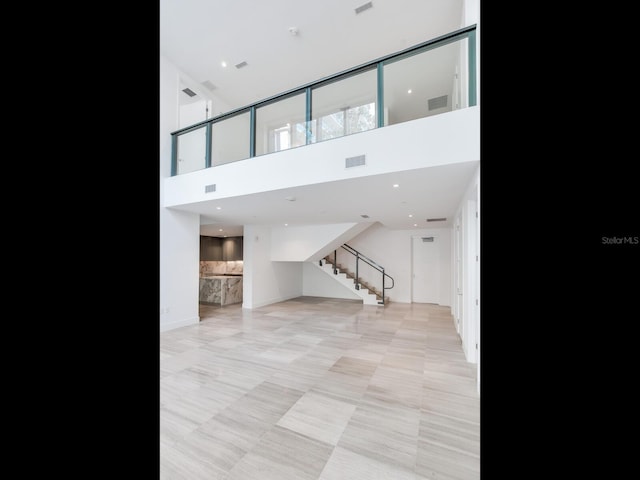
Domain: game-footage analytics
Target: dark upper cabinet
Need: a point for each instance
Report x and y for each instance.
(220, 249)
(210, 248)
(232, 248)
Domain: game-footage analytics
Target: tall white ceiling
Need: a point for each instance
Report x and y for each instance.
(197, 35)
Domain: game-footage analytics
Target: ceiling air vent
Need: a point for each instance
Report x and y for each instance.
(427, 239)
(438, 102)
(354, 161)
(364, 216)
(189, 92)
(241, 65)
(364, 7)
(210, 188)
(437, 219)
(209, 85)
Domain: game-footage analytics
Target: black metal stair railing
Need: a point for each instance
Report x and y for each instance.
(359, 256)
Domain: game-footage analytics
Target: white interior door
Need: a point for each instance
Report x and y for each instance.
(471, 300)
(458, 262)
(477, 282)
(426, 270)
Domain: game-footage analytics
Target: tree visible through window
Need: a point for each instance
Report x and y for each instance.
(345, 121)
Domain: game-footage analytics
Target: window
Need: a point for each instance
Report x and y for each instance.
(347, 121)
(281, 138)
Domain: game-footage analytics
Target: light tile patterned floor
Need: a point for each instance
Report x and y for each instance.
(318, 389)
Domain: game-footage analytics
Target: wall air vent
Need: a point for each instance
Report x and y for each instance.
(364, 7)
(354, 161)
(210, 188)
(209, 85)
(437, 219)
(427, 239)
(438, 102)
(189, 92)
(241, 64)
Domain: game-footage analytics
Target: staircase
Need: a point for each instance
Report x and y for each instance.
(370, 295)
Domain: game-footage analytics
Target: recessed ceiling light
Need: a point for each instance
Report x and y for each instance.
(395, 185)
(415, 224)
(410, 215)
(220, 230)
(224, 64)
(409, 91)
(218, 208)
(286, 224)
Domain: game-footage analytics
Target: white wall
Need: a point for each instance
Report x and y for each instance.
(193, 113)
(216, 105)
(478, 286)
(310, 242)
(469, 317)
(471, 12)
(229, 140)
(391, 249)
(265, 281)
(179, 231)
(444, 266)
(316, 283)
(191, 151)
(192, 146)
(449, 138)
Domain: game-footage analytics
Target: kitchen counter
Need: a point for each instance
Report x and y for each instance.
(220, 289)
(216, 276)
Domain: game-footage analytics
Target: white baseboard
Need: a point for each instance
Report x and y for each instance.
(264, 303)
(179, 323)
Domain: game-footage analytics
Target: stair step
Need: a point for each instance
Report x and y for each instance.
(328, 265)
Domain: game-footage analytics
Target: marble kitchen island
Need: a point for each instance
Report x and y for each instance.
(220, 289)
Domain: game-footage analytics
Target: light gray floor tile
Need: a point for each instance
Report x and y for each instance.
(317, 388)
(347, 465)
(318, 416)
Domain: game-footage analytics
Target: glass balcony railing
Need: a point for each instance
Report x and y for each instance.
(434, 77)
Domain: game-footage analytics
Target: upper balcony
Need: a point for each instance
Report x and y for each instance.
(431, 78)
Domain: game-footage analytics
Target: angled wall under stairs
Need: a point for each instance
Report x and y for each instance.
(312, 242)
(368, 294)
